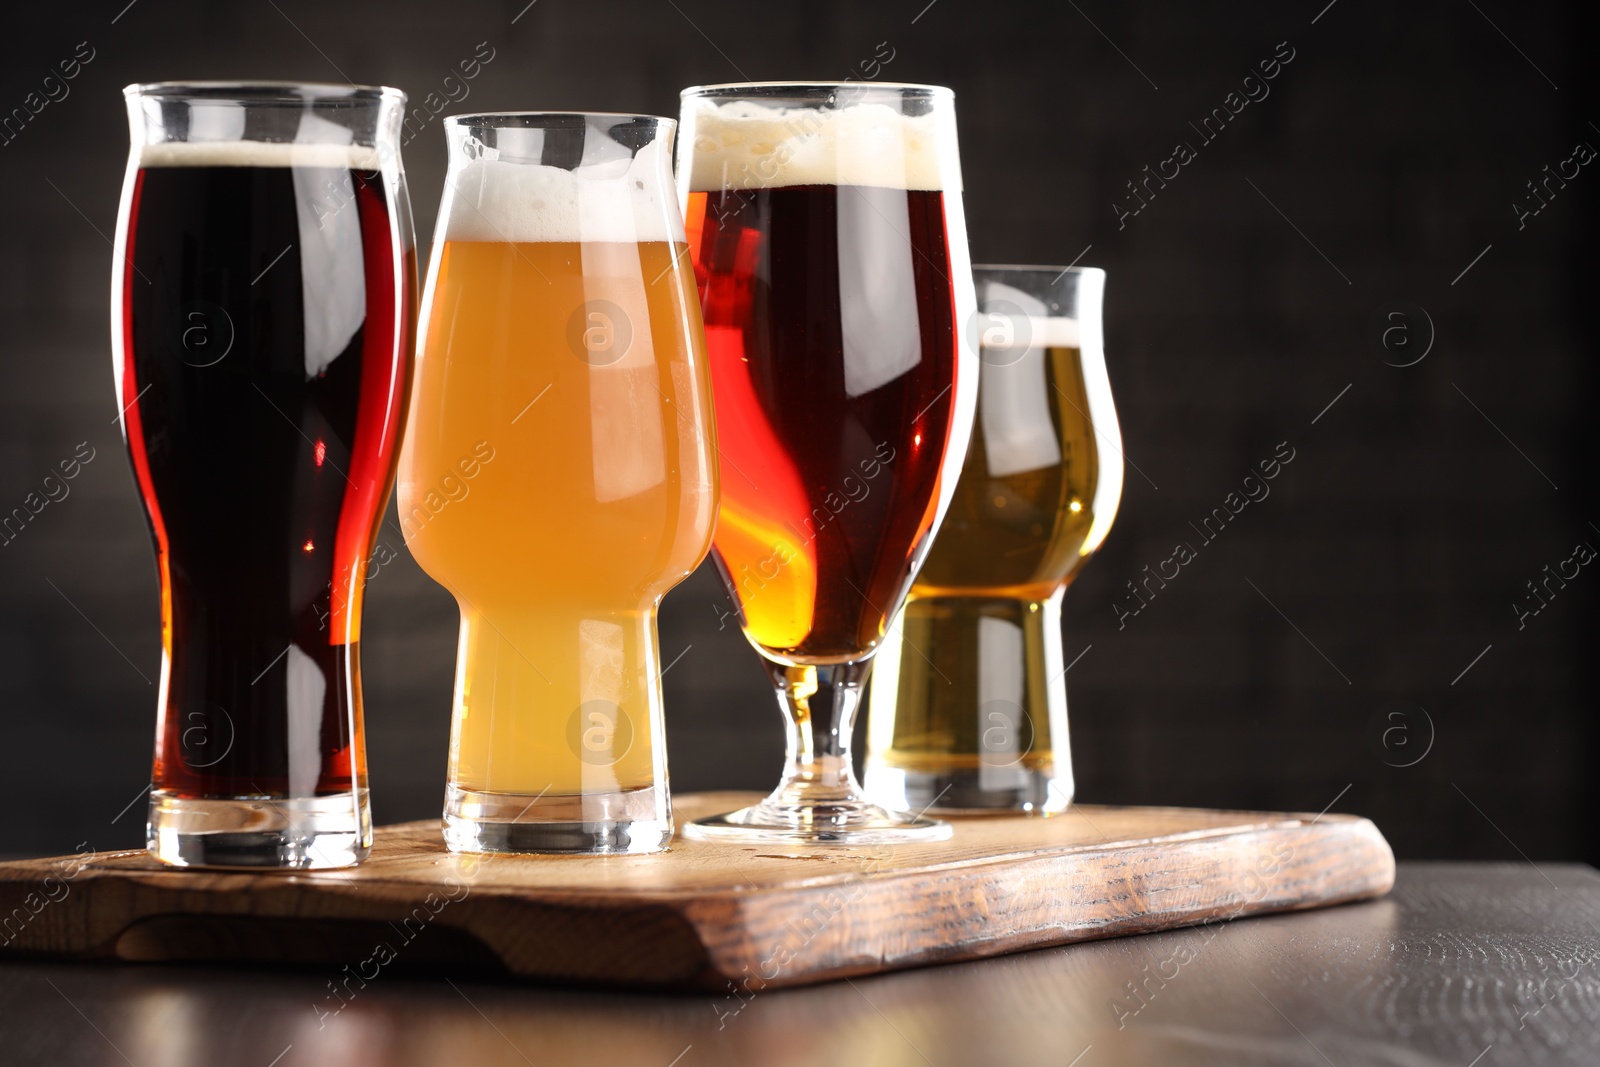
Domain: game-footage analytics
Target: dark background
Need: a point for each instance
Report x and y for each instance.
(1241, 301)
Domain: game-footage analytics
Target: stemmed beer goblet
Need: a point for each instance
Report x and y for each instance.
(829, 246)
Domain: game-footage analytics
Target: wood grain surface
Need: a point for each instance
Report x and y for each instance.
(706, 915)
(1462, 964)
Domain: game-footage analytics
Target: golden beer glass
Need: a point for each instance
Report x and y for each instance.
(558, 475)
(969, 700)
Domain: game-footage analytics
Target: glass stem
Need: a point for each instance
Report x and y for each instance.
(819, 704)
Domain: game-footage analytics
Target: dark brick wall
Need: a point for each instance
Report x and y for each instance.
(1395, 141)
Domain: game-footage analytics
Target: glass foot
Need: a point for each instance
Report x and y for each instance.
(625, 821)
(303, 833)
(844, 822)
(818, 802)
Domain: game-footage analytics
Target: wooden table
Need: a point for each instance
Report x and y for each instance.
(1469, 965)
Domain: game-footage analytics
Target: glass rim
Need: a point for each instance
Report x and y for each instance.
(1036, 268)
(264, 92)
(932, 92)
(528, 120)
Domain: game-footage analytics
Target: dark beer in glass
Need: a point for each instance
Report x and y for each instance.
(263, 299)
(826, 231)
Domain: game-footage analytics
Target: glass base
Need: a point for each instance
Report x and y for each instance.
(971, 791)
(843, 822)
(625, 821)
(302, 833)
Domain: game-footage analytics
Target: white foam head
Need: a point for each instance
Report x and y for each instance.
(626, 198)
(258, 154)
(746, 145)
(1004, 332)
(216, 139)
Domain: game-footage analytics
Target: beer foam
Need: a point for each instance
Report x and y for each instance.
(620, 200)
(258, 154)
(746, 145)
(1029, 331)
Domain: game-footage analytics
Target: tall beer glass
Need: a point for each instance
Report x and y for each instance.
(558, 473)
(262, 297)
(969, 705)
(830, 249)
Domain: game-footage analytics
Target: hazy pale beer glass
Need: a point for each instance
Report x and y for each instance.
(262, 296)
(969, 703)
(557, 476)
(829, 245)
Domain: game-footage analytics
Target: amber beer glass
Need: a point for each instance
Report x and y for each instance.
(558, 473)
(969, 703)
(828, 242)
(262, 298)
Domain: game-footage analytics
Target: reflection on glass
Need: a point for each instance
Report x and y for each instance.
(969, 703)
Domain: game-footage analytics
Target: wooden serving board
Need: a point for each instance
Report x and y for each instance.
(704, 915)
